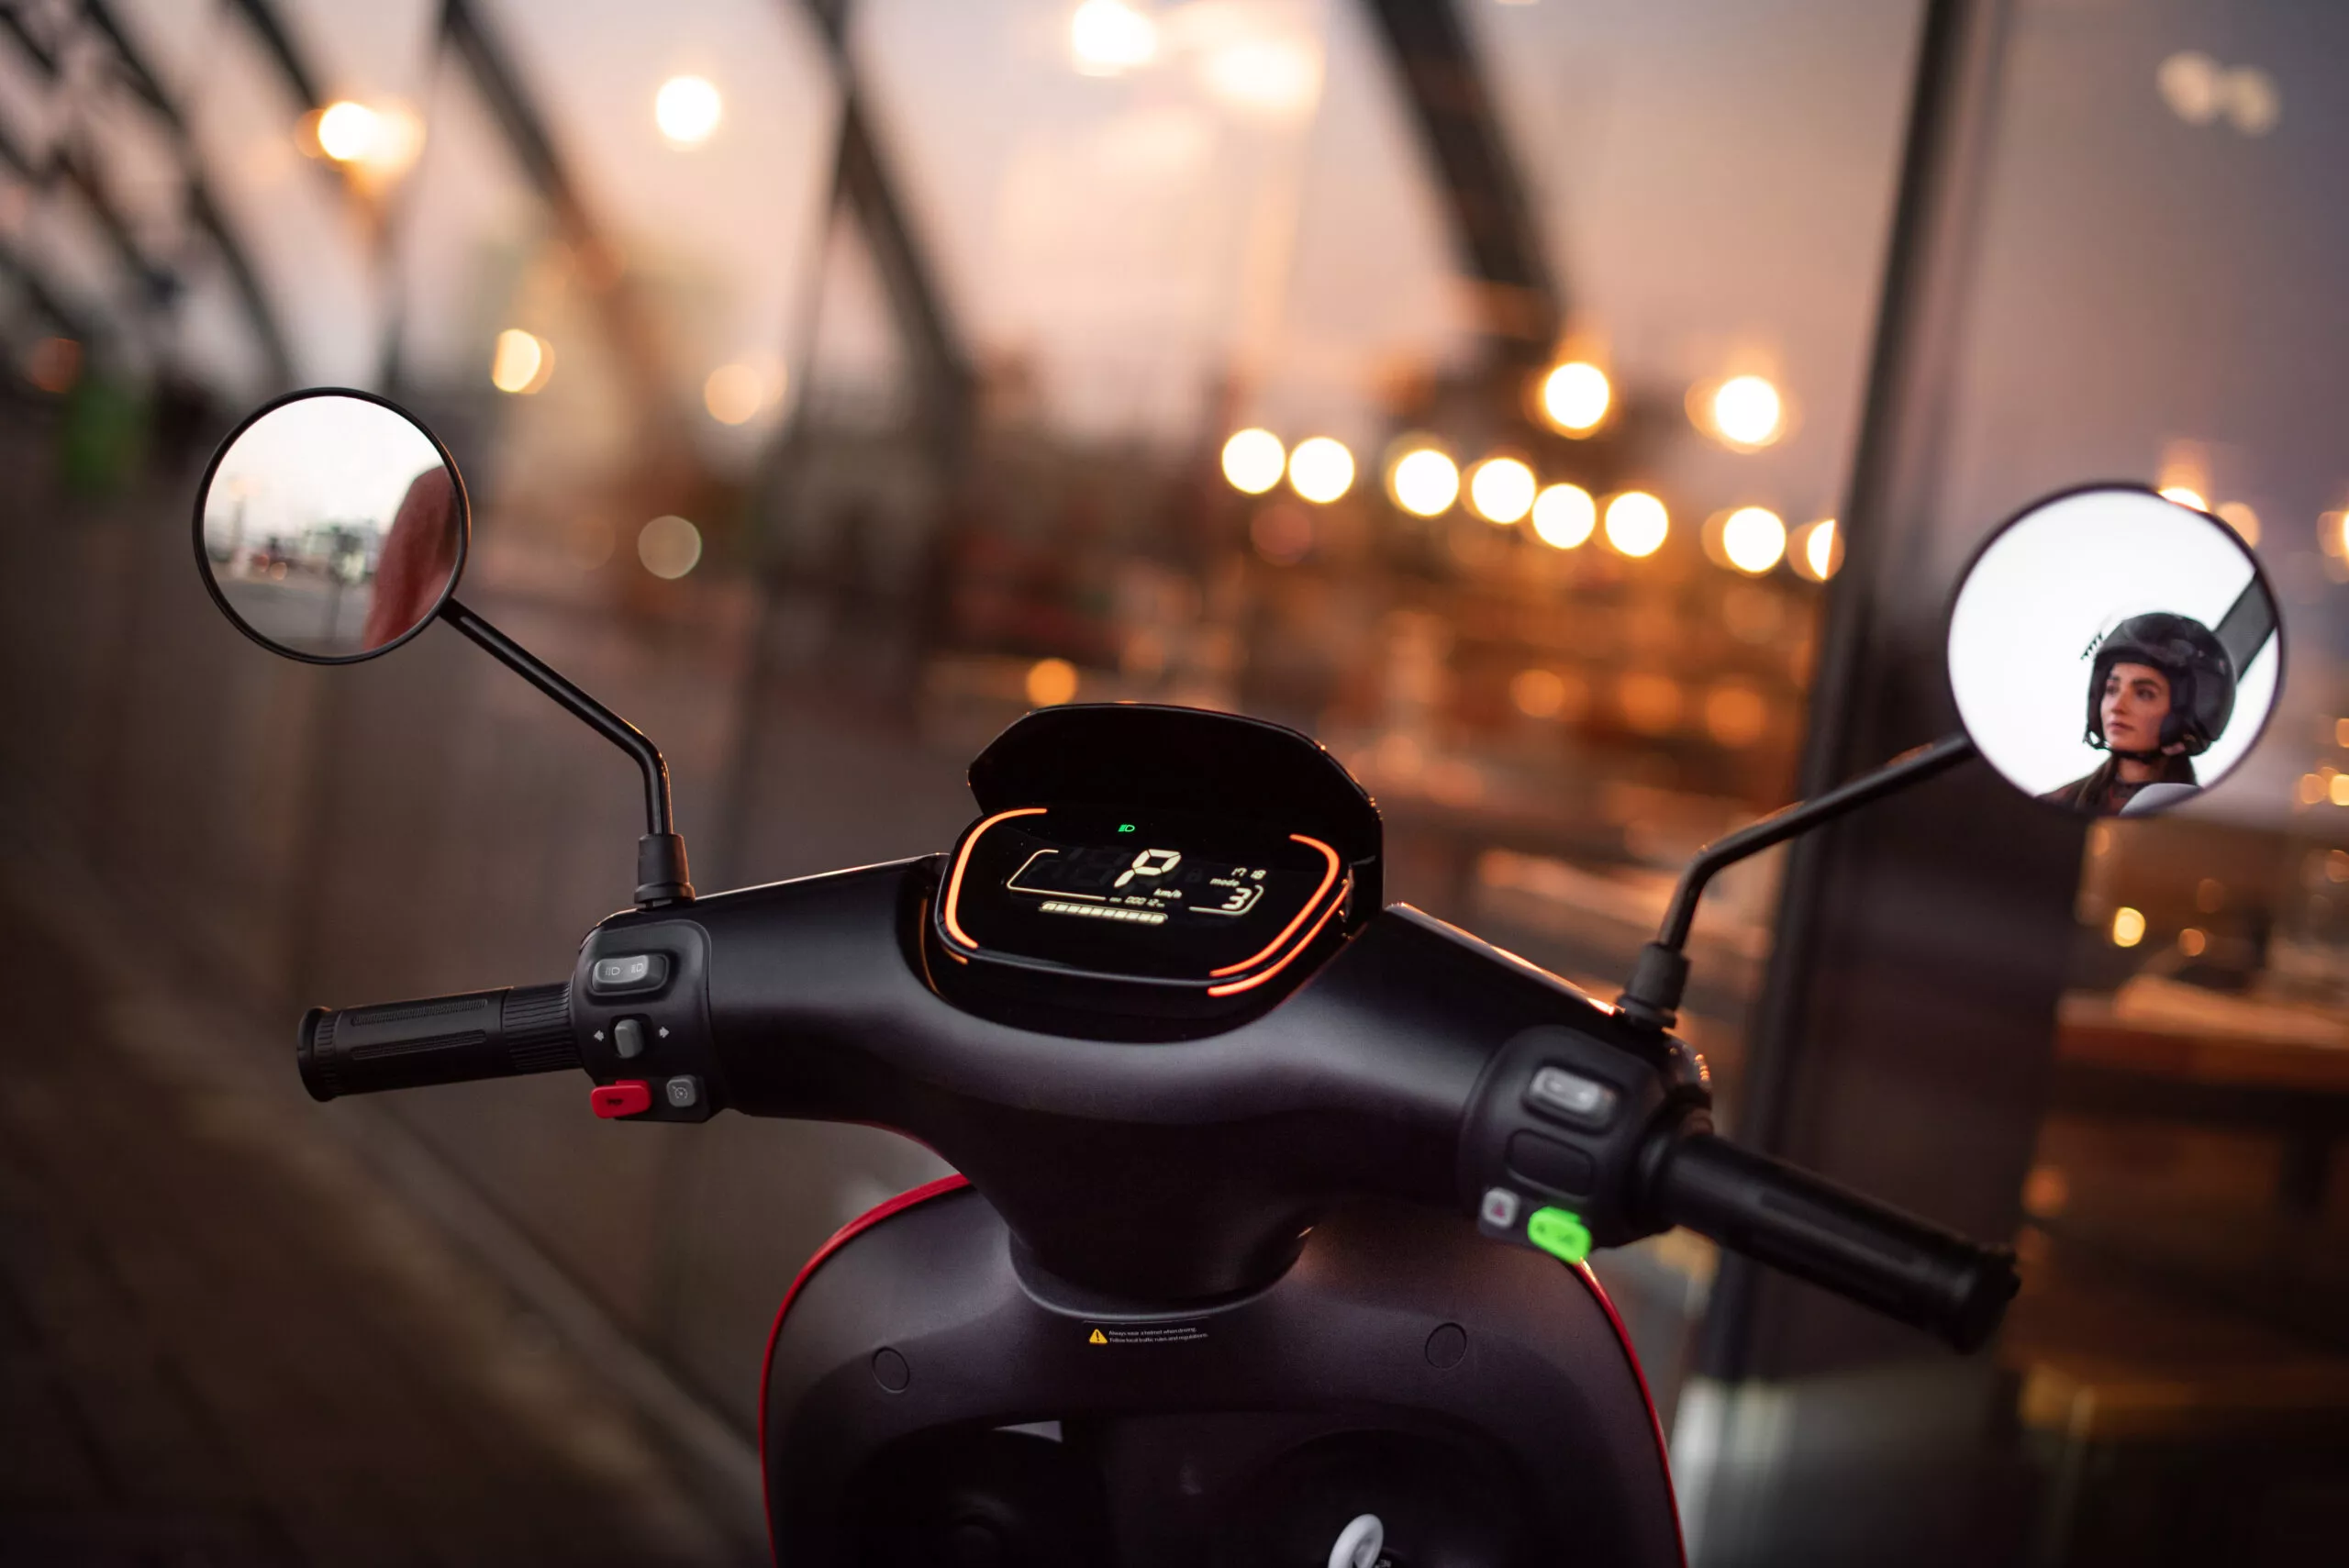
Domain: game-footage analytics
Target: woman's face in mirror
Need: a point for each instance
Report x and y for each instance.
(2136, 700)
(2111, 651)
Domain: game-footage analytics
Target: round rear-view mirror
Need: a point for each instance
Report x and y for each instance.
(2114, 652)
(331, 526)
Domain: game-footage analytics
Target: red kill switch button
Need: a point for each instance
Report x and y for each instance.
(628, 1097)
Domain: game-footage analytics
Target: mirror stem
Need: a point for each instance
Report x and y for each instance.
(661, 872)
(1653, 997)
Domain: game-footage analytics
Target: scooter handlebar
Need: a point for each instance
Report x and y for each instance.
(1902, 1266)
(437, 1039)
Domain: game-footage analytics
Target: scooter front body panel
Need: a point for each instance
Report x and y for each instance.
(1478, 1397)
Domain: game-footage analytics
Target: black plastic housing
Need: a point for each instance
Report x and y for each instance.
(1479, 1398)
(1167, 1170)
(1656, 1081)
(1137, 756)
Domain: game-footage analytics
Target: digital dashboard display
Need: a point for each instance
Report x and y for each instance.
(1166, 897)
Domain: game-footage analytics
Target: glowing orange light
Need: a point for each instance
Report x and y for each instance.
(1501, 489)
(1051, 681)
(1565, 515)
(1747, 412)
(1818, 552)
(1107, 37)
(1637, 523)
(1321, 469)
(347, 132)
(1754, 538)
(1424, 482)
(523, 361)
(1576, 397)
(687, 110)
(1254, 460)
(1538, 694)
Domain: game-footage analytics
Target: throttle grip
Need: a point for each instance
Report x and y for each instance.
(437, 1039)
(1905, 1267)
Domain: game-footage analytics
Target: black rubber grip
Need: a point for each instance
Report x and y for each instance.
(437, 1039)
(1902, 1266)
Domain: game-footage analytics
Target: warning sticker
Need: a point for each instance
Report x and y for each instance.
(1144, 1334)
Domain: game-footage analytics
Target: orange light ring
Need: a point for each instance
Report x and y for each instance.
(1303, 910)
(1231, 987)
(955, 883)
(1329, 876)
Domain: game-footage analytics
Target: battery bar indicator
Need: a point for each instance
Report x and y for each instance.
(1103, 912)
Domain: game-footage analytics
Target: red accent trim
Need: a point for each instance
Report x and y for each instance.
(629, 1096)
(1656, 1422)
(957, 1181)
(840, 1237)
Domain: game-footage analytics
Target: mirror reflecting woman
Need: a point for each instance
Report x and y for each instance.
(2160, 692)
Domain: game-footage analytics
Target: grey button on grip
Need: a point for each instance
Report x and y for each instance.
(628, 974)
(1570, 1097)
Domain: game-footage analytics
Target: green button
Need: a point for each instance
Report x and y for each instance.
(1560, 1233)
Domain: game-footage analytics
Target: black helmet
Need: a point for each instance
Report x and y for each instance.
(2201, 676)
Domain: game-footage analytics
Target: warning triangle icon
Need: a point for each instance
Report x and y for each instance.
(1098, 1339)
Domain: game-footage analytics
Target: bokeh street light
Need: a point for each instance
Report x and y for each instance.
(1109, 37)
(346, 131)
(1254, 460)
(1576, 396)
(1272, 78)
(1501, 489)
(1816, 550)
(1754, 538)
(687, 110)
(374, 143)
(2185, 495)
(2332, 535)
(1424, 482)
(1565, 515)
(1637, 523)
(522, 362)
(1321, 469)
(1051, 681)
(735, 392)
(668, 546)
(1537, 693)
(1745, 412)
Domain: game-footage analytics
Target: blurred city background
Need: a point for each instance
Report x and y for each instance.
(1478, 386)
